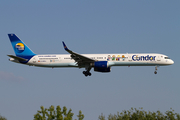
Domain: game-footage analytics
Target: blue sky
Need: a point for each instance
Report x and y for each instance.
(89, 27)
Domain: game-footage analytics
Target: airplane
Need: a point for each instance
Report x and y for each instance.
(100, 62)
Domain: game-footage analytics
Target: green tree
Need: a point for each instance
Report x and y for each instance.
(80, 116)
(2, 118)
(135, 114)
(56, 114)
(101, 117)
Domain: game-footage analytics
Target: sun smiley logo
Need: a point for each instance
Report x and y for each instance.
(19, 47)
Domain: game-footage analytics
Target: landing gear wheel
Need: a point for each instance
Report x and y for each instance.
(155, 72)
(89, 74)
(86, 73)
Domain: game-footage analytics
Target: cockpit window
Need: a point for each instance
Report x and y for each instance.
(166, 57)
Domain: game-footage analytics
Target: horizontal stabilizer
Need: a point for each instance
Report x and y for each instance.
(17, 58)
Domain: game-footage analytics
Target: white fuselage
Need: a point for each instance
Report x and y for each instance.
(65, 60)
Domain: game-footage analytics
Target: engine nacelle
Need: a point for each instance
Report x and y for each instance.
(101, 66)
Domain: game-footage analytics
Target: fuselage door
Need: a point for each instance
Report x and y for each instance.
(158, 58)
(34, 60)
(129, 57)
(60, 58)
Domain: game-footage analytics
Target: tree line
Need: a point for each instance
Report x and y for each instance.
(57, 113)
(132, 114)
(140, 114)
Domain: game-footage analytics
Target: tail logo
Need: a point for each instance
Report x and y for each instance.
(19, 47)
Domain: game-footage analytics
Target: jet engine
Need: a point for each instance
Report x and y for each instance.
(101, 66)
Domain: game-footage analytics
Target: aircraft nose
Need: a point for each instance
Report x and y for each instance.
(172, 62)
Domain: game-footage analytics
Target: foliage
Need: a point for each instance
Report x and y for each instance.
(80, 116)
(135, 114)
(2, 118)
(101, 117)
(58, 114)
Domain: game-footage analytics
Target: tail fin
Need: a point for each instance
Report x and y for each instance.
(20, 49)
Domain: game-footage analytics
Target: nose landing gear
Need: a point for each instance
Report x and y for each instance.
(155, 72)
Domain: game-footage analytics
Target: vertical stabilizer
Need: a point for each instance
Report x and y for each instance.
(20, 49)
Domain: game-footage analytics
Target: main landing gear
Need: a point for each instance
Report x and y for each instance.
(155, 72)
(86, 73)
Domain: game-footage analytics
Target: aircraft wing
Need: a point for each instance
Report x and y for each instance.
(17, 58)
(80, 59)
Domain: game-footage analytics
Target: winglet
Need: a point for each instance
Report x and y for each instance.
(65, 47)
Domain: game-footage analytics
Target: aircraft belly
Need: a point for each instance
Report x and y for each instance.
(57, 65)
